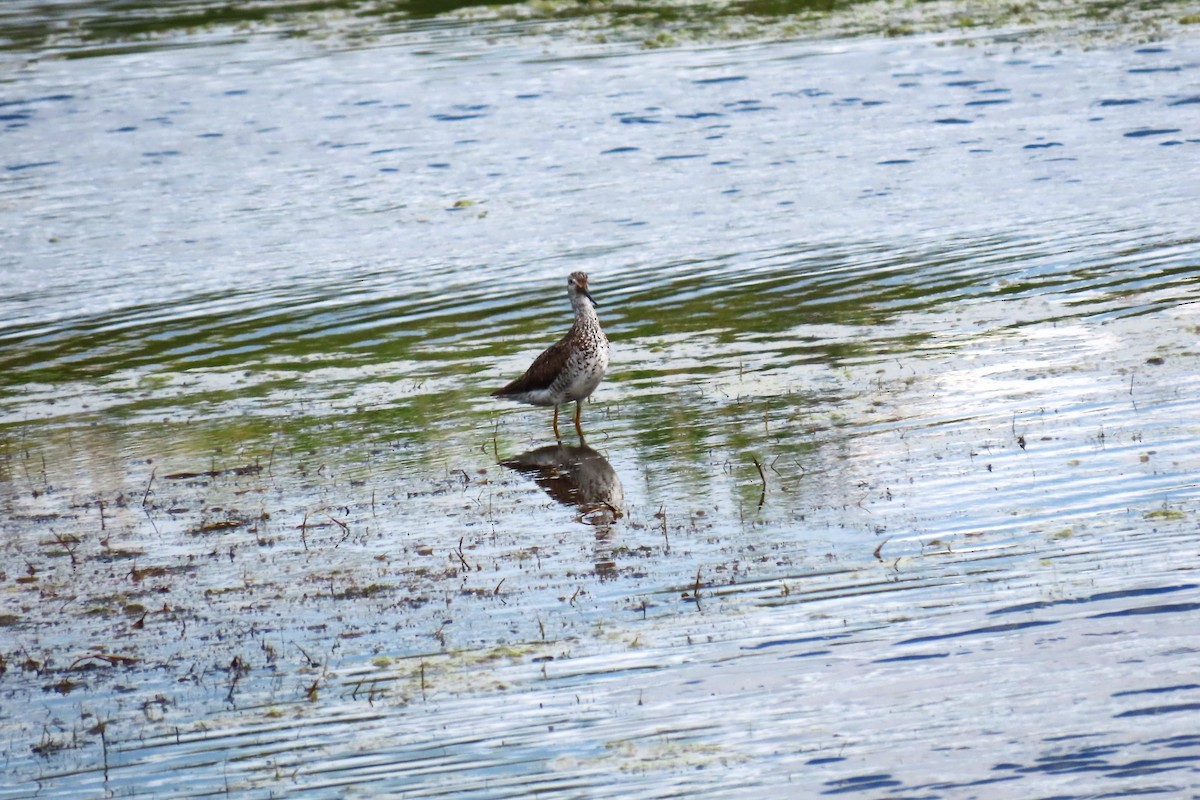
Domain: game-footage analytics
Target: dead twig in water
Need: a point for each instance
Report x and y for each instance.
(461, 557)
(662, 515)
(1019, 437)
(101, 727)
(344, 526)
(762, 476)
(69, 543)
(146, 511)
(237, 668)
(146, 494)
(879, 549)
(312, 662)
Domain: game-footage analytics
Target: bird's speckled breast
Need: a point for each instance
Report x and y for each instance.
(586, 366)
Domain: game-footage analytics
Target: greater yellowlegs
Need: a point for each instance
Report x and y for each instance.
(573, 367)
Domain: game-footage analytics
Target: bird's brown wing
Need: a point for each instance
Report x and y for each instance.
(542, 372)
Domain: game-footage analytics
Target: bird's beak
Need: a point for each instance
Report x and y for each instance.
(588, 295)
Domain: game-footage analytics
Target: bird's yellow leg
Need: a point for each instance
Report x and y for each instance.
(578, 427)
(556, 433)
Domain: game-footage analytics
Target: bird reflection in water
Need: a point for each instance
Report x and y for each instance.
(575, 476)
(582, 478)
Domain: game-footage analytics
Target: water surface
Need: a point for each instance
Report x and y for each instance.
(891, 490)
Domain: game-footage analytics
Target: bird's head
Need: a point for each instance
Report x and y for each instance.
(577, 286)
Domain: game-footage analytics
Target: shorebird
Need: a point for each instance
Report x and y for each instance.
(573, 367)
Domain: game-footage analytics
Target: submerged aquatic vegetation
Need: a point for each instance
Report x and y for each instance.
(672, 24)
(343, 23)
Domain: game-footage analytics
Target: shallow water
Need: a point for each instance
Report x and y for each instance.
(891, 490)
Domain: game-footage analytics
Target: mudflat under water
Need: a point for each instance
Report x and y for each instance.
(891, 491)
